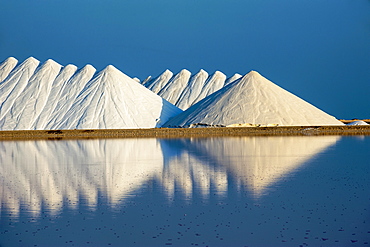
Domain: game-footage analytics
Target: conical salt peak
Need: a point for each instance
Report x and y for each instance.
(31, 60)
(51, 62)
(110, 68)
(167, 72)
(202, 71)
(218, 74)
(184, 72)
(254, 73)
(136, 79)
(89, 67)
(112, 71)
(70, 66)
(11, 60)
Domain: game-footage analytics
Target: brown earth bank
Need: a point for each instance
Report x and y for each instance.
(184, 132)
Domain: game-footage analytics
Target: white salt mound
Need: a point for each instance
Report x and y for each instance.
(192, 90)
(359, 122)
(184, 90)
(252, 100)
(173, 89)
(50, 96)
(233, 78)
(6, 67)
(158, 83)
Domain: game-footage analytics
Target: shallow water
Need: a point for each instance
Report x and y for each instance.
(232, 191)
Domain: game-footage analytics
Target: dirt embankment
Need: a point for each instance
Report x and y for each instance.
(184, 132)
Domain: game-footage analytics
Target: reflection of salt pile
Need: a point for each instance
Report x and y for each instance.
(184, 90)
(253, 100)
(187, 173)
(52, 174)
(51, 97)
(48, 174)
(258, 162)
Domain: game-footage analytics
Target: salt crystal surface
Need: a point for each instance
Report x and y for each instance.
(52, 97)
(359, 122)
(6, 67)
(68, 95)
(159, 82)
(256, 100)
(14, 85)
(214, 83)
(184, 89)
(192, 90)
(173, 89)
(60, 82)
(112, 100)
(233, 78)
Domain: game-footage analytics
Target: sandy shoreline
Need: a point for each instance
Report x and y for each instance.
(184, 132)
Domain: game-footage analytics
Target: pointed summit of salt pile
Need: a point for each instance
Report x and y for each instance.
(6, 67)
(58, 96)
(192, 90)
(235, 77)
(253, 99)
(358, 122)
(112, 100)
(31, 100)
(68, 94)
(213, 83)
(173, 89)
(159, 82)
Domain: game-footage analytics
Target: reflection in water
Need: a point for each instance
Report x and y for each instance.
(257, 162)
(53, 174)
(50, 173)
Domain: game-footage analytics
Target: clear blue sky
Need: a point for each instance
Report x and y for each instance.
(318, 50)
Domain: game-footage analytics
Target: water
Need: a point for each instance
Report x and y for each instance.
(232, 191)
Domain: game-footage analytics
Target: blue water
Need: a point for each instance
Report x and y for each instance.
(232, 191)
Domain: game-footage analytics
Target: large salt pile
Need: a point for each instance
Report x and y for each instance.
(184, 89)
(49, 96)
(254, 100)
(358, 122)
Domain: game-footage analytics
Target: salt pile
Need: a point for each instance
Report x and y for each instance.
(254, 100)
(184, 89)
(49, 96)
(358, 122)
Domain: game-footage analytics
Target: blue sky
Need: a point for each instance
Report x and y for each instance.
(318, 50)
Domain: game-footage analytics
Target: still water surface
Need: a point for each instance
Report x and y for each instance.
(231, 191)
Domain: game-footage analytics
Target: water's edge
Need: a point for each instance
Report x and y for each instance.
(185, 132)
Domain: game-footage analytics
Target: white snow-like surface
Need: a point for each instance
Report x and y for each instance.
(233, 78)
(173, 89)
(158, 83)
(253, 99)
(14, 85)
(50, 96)
(31, 101)
(68, 95)
(112, 100)
(184, 90)
(214, 83)
(192, 90)
(358, 122)
(6, 67)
